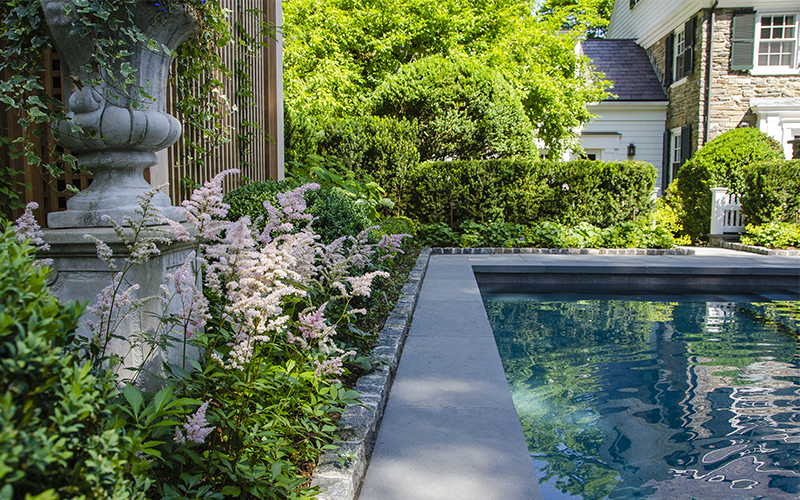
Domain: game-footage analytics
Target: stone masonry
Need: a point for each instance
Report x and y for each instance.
(731, 91)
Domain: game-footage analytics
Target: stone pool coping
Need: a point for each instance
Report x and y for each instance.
(341, 474)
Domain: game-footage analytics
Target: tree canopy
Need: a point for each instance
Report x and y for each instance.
(338, 52)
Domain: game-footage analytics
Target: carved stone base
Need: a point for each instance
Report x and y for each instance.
(78, 275)
(118, 183)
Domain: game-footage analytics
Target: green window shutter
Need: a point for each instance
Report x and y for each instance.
(743, 34)
(669, 56)
(689, 39)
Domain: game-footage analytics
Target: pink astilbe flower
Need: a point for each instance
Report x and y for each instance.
(292, 207)
(193, 313)
(111, 307)
(242, 351)
(391, 243)
(332, 366)
(205, 209)
(104, 251)
(27, 229)
(196, 427)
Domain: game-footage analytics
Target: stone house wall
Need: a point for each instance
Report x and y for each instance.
(731, 91)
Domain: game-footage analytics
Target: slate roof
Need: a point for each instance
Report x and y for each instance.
(626, 65)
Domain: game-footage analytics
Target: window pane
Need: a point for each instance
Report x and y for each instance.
(775, 60)
(777, 20)
(762, 60)
(765, 32)
(789, 20)
(777, 33)
(766, 21)
(789, 32)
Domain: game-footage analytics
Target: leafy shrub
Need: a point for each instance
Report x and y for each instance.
(464, 110)
(772, 192)
(525, 192)
(337, 213)
(773, 235)
(720, 163)
(55, 437)
(381, 149)
(638, 234)
(437, 234)
(249, 199)
(397, 225)
(669, 213)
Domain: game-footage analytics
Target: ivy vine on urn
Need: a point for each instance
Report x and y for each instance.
(118, 118)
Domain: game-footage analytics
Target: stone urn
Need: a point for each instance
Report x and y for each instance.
(120, 129)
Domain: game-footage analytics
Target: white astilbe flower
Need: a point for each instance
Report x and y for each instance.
(362, 285)
(197, 427)
(27, 229)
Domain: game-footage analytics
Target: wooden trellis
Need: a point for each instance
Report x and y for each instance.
(254, 125)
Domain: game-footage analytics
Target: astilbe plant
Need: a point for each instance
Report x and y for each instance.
(251, 411)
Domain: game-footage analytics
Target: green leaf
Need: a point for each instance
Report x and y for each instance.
(134, 397)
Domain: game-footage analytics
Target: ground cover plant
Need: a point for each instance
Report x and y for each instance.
(246, 417)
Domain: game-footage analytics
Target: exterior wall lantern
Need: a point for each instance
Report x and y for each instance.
(631, 149)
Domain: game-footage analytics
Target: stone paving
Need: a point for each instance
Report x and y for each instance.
(448, 428)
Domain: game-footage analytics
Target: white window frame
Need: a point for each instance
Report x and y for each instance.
(674, 148)
(794, 69)
(678, 53)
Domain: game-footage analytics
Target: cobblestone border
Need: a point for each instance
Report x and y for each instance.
(339, 474)
(567, 251)
(759, 250)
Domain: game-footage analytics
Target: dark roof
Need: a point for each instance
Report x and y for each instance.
(627, 66)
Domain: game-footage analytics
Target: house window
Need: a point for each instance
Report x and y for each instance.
(777, 40)
(677, 149)
(765, 44)
(680, 53)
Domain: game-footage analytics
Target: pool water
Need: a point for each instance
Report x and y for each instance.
(657, 399)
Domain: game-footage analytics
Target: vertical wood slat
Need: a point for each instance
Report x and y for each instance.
(257, 162)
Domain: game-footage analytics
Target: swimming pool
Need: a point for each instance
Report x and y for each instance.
(655, 396)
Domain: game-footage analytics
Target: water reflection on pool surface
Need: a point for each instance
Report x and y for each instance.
(655, 399)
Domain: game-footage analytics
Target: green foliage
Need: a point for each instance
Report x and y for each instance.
(588, 16)
(398, 225)
(773, 235)
(525, 192)
(720, 163)
(471, 234)
(669, 213)
(379, 149)
(771, 192)
(55, 437)
(437, 234)
(337, 53)
(337, 213)
(464, 109)
(326, 173)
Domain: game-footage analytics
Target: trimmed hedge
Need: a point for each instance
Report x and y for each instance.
(772, 192)
(721, 163)
(524, 191)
